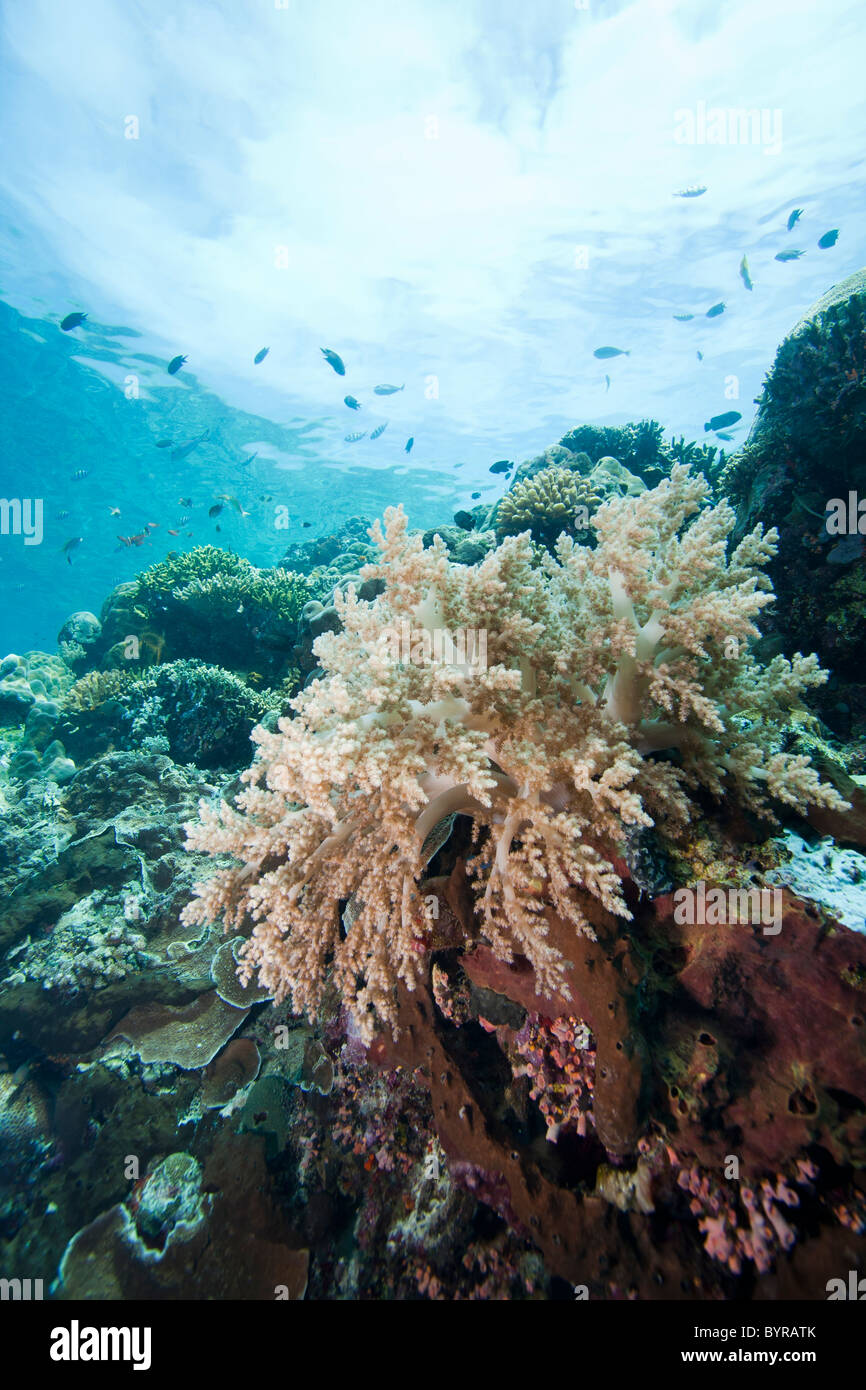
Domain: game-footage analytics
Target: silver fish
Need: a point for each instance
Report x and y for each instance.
(187, 447)
(387, 390)
(353, 438)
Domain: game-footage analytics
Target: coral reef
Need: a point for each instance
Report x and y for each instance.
(638, 446)
(804, 449)
(616, 679)
(205, 604)
(459, 851)
(197, 713)
(550, 503)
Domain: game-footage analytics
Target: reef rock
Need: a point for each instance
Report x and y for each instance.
(805, 449)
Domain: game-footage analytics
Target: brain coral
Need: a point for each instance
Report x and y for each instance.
(616, 680)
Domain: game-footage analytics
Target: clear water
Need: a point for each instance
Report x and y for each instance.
(468, 198)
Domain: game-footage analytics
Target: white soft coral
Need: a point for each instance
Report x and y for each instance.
(596, 659)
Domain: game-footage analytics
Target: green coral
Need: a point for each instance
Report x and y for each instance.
(203, 713)
(638, 446)
(707, 457)
(216, 579)
(211, 605)
(195, 712)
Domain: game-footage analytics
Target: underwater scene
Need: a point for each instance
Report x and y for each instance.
(432, 684)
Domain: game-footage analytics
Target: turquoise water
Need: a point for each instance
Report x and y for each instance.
(465, 198)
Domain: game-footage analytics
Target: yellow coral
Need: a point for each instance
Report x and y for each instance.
(546, 504)
(597, 660)
(92, 690)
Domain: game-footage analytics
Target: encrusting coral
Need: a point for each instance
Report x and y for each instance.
(616, 679)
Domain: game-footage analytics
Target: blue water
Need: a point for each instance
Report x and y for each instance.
(468, 198)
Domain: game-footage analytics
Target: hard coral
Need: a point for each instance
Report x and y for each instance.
(596, 662)
(553, 501)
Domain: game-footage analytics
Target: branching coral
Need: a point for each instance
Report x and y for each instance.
(597, 661)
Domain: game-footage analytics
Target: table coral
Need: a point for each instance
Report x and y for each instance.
(617, 679)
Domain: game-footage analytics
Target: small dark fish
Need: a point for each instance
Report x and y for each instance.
(744, 274)
(788, 255)
(409, 442)
(475, 496)
(72, 321)
(305, 524)
(465, 520)
(606, 382)
(71, 545)
(700, 356)
(683, 318)
(353, 438)
(175, 365)
(266, 497)
(164, 443)
(261, 355)
(602, 353)
(500, 466)
(380, 429)
(829, 239)
(184, 501)
(351, 403)
(62, 516)
(794, 218)
(720, 422)
(169, 532)
(245, 463)
(694, 190)
(716, 310)
(79, 474)
(387, 390)
(215, 509)
(334, 360)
